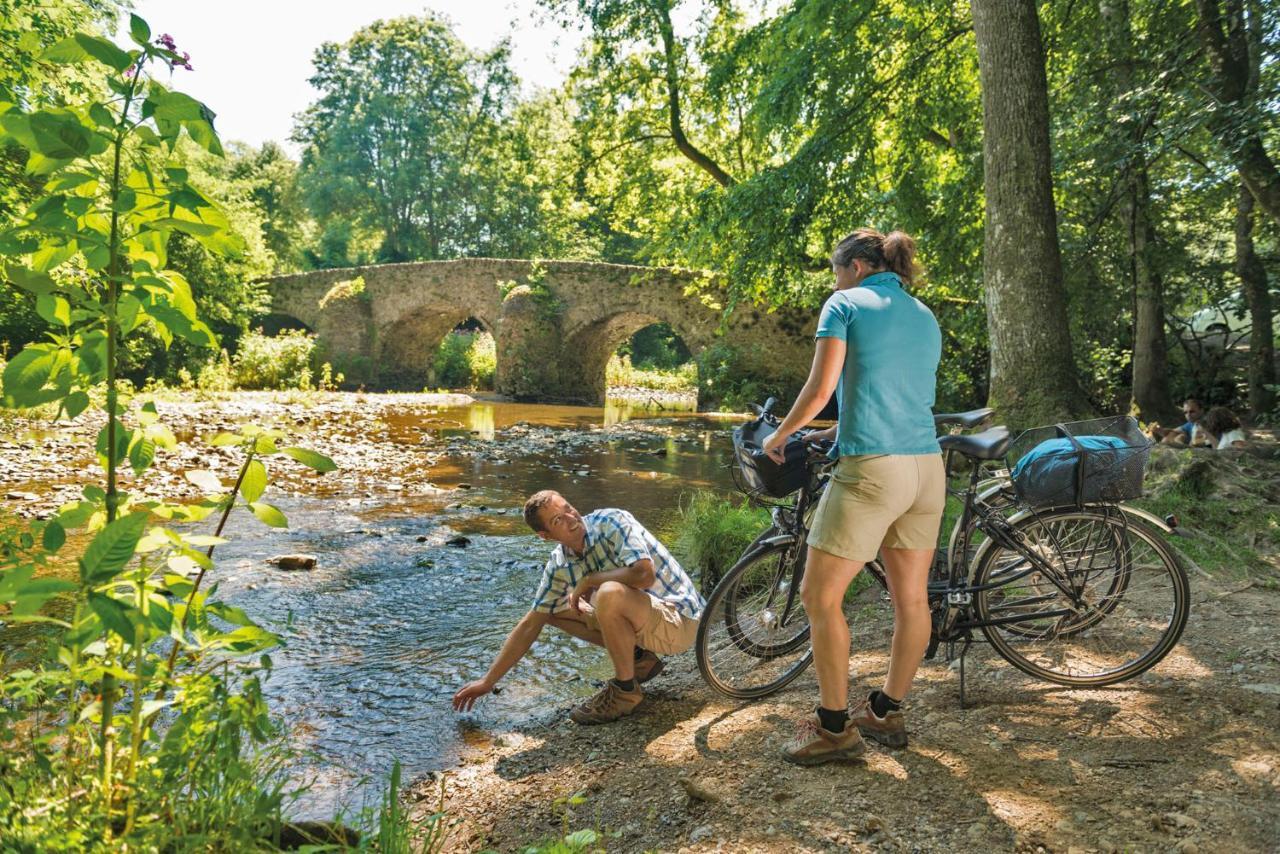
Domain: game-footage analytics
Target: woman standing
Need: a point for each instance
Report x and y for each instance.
(878, 349)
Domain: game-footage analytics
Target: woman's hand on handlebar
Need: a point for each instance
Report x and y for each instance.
(774, 446)
(827, 435)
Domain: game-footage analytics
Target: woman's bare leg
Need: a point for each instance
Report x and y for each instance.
(826, 578)
(907, 571)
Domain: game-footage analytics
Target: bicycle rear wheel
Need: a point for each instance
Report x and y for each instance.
(753, 638)
(1134, 590)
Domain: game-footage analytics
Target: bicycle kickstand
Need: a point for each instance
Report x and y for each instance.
(963, 651)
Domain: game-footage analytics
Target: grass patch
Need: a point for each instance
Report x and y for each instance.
(712, 531)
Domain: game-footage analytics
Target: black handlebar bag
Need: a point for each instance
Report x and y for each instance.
(761, 473)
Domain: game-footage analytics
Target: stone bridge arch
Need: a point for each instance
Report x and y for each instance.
(555, 323)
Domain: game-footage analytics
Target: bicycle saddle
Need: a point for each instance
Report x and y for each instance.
(987, 445)
(967, 420)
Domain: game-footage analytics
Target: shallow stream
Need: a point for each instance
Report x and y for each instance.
(394, 618)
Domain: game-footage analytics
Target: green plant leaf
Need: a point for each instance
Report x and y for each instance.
(580, 839)
(115, 615)
(141, 454)
(27, 374)
(112, 548)
(75, 403)
(224, 439)
(205, 479)
(54, 536)
(54, 309)
(312, 459)
(268, 515)
(139, 31)
(255, 481)
(83, 46)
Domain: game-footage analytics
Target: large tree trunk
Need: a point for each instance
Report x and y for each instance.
(1225, 31)
(1033, 377)
(1151, 395)
(1253, 276)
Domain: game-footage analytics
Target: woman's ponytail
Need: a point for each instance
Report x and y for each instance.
(900, 256)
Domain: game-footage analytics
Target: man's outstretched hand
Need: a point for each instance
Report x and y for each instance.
(469, 693)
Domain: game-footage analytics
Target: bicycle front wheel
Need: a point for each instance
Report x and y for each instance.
(1133, 592)
(753, 638)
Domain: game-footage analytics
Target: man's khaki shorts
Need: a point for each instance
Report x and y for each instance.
(667, 632)
(880, 500)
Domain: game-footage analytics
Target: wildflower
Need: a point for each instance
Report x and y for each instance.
(166, 41)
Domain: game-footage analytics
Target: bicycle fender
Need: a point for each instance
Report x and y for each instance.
(1124, 508)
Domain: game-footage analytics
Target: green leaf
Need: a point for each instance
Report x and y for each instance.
(83, 46)
(27, 374)
(35, 593)
(75, 403)
(139, 31)
(312, 459)
(268, 514)
(54, 309)
(54, 536)
(141, 454)
(254, 482)
(223, 439)
(229, 613)
(115, 615)
(205, 479)
(580, 839)
(112, 548)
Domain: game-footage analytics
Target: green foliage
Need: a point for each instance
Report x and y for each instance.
(284, 361)
(712, 532)
(619, 372)
(465, 360)
(132, 731)
(728, 382)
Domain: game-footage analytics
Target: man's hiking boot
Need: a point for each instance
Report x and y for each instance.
(890, 730)
(608, 704)
(648, 666)
(813, 745)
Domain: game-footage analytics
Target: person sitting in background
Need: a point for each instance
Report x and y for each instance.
(1219, 429)
(1193, 411)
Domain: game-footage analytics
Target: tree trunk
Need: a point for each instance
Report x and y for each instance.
(1151, 395)
(1033, 377)
(1253, 277)
(1232, 83)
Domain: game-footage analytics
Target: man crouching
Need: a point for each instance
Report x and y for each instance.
(609, 582)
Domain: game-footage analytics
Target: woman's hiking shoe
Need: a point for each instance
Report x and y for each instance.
(813, 745)
(648, 666)
(890, 730)
(608, 704)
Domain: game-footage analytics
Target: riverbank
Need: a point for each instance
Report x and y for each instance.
(1185, 758)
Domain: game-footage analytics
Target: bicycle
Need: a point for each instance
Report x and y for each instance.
(1058, 592)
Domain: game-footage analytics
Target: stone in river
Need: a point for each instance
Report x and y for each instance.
(459, 541)
(293, 561)
(21, 496)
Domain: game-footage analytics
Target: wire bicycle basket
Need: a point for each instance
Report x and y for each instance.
(756, 474)
(1099, 461)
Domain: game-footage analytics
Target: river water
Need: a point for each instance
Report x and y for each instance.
(394, 618)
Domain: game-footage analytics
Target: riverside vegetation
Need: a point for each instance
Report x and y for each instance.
(142, 726)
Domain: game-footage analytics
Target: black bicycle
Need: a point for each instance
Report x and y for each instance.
(1082, 594)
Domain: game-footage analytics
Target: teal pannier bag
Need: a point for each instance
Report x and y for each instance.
(1077, 468)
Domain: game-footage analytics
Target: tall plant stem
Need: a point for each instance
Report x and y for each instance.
(195, 588)
(135, 741)
(108, 691)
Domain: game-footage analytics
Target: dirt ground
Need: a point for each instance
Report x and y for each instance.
(1186, 758)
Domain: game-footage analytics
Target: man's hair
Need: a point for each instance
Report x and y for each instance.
(1194, 400)
(534, 505)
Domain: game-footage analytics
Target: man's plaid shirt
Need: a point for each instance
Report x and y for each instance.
(615, 539)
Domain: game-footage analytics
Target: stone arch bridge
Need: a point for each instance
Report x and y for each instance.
(555, 323)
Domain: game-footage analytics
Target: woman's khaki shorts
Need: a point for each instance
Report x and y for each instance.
(880, 500)
(667, 631)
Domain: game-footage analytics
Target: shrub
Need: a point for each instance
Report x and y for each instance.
(620, 372)
(725, 382)
(713, 531)
(465, 360)
(216, 375)
(281, 362)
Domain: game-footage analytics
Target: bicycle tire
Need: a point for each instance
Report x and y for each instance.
(1085, 650)
(738, 647)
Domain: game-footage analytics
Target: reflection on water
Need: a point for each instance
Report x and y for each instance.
(394, 619)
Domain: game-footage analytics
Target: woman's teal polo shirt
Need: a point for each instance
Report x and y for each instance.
(887, 387)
